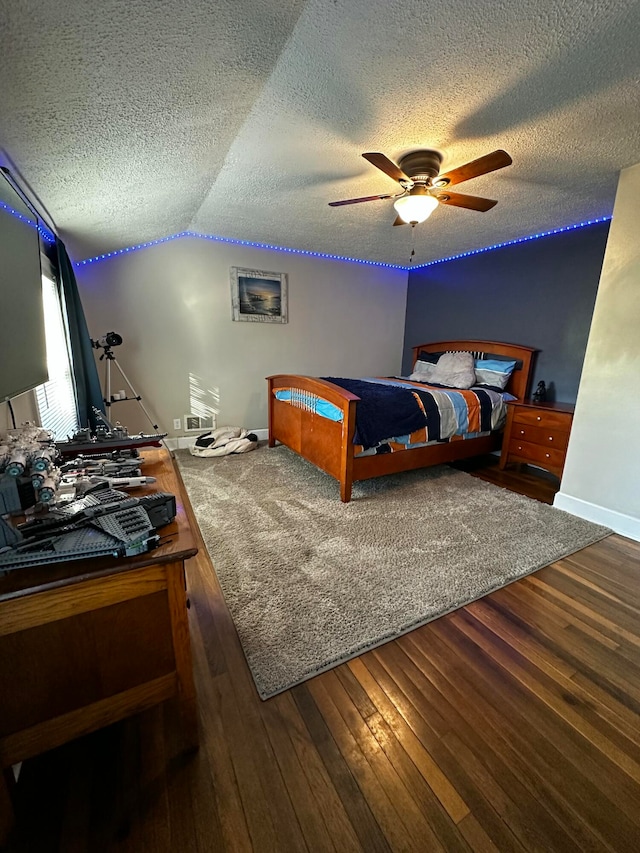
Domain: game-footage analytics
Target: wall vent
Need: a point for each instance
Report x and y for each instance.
(199, 423)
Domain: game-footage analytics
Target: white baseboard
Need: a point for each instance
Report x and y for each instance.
(625, 525)
(180, 442)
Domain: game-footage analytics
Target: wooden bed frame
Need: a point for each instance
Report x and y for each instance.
(329, 444)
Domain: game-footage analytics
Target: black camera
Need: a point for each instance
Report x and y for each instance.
(111, 339)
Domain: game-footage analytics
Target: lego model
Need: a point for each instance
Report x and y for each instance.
(105, 522)
(28, 470)
(105, 439)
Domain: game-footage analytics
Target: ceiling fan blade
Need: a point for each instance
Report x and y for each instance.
(399, 221)
(358, 200)
(482, 166)
(471, 202)
(387, 166)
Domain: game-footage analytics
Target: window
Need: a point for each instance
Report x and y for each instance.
(56, 398)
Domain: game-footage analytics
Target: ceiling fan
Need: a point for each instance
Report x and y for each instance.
(423, 187)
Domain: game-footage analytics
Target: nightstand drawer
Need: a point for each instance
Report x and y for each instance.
(546, 457)
(542, 417)
(554, 438)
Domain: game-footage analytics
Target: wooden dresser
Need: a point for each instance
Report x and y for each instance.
(87, 642)
(537, 433)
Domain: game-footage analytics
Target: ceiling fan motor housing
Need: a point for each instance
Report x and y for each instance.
(421, 165)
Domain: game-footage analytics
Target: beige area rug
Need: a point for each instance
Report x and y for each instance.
(311, 582)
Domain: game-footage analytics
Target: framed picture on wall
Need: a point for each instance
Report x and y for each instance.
(258, 296)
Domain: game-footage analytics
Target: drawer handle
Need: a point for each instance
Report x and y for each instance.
(519, 448)
(539, 418)
(521, 432)
(548, 455)
(550, 438)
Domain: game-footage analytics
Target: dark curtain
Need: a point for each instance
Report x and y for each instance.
(88, 391)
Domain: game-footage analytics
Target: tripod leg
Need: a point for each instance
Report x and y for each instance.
(107, 383)
(136, 396)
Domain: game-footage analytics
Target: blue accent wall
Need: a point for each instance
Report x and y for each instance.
(540, 294)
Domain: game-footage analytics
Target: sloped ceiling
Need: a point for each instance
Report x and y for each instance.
(135, 119)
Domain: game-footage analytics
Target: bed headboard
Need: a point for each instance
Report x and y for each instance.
(520, 379)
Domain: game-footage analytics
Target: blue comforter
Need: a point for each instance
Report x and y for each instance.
(383, 410)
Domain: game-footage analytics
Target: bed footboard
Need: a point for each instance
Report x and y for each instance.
(328, 444)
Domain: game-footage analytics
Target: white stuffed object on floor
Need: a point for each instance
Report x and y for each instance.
(224, 441)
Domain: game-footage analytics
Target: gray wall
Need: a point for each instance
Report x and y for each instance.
(540, 293)
(172, 305)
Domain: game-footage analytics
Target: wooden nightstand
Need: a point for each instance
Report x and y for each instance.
(537, 433)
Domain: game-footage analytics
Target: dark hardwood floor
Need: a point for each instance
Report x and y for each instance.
(526, 479)
(509, 725)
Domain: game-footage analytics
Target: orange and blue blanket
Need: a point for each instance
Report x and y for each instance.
(401, 412)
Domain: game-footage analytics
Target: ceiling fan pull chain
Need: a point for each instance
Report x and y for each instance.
(413, 242)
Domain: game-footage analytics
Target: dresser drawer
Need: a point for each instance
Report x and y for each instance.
(554, 438)
(542, 417)
(546, 457)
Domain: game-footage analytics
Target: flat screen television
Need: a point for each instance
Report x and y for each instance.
(23, 354)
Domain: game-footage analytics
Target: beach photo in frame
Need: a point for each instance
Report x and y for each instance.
(258, 296)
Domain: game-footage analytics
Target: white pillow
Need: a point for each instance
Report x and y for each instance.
(422, 371)
(455, 370)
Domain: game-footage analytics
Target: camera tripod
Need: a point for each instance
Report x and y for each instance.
(108, 398)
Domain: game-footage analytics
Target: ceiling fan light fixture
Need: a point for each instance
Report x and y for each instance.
(415, 208)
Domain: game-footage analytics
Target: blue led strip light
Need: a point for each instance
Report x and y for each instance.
(304, 252)
(234, 242)
(131, 249)
(514, 242)
(46, 235)
(309, 254)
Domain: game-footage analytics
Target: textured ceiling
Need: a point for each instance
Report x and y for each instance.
(136, 119)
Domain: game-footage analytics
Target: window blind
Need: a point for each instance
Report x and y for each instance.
(56, 398)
